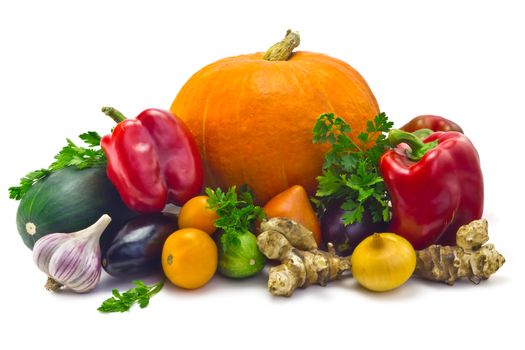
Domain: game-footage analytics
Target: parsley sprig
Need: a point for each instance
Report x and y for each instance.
(80, 157)
(141, 295)
(351, 168)
(237, 213)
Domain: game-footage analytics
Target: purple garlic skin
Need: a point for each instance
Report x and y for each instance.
(72, 260)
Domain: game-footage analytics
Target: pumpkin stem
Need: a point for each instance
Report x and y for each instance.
(283, 50)
(113, 114)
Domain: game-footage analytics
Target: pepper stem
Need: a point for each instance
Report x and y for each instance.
(114, 114)
(417, 147)
(283, 50)
(423, 133)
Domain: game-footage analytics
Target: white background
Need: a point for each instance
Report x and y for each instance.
(60, 61)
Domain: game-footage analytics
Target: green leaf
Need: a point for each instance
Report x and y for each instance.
(141, 295)
(349, 204)
(322, 128)
(230, 240)
(246, 194)
(236, 210)
(341, 125)
(380, 124)
(329, 184)
(91, 138)
(348, 163)
(70, 155)
(364, 194)
(386, 214)
(363, 137)
(17, 192)
(331, 158)
(353, 212)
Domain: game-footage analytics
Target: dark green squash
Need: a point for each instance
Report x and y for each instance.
(67, 201)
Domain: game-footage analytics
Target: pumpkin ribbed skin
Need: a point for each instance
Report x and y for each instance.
(253, 118)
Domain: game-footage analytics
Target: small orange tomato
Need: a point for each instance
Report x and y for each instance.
(196, 214)
(189, 258)
(294, 204)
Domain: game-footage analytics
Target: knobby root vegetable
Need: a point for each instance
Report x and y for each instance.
(470, 257)
(298, 235)
(302, 263)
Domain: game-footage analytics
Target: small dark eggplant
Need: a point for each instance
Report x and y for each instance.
(136, 248)
(346, 238)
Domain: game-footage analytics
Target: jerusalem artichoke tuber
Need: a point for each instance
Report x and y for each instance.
(470, 258)
(298, 235)
(299, 267)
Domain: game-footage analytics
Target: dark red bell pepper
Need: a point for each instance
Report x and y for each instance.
(152, 160)
(432, 122)
(435, 185)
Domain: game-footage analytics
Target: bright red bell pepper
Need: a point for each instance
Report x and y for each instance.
(152, 160)
(435, 185)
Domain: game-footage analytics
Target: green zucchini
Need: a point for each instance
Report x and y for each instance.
(69, 200)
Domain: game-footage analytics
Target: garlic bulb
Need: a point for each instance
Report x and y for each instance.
(71, 259)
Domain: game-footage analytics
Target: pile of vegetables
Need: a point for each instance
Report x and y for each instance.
(309, 176)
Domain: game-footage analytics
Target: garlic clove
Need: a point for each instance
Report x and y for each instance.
(47, 246)
(72, 260)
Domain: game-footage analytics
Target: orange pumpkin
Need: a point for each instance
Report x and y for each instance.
(252, 115)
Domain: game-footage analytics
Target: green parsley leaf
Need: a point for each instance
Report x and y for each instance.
(237, 213)
(230, 240)
(351, 167)
(141, 295)
(90, 138)
(352, 212)
(330, 184)
(17, 192)
(80, 157)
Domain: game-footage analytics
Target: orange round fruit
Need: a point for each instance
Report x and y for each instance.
(195, 213)
(252, 116)
(189, 258)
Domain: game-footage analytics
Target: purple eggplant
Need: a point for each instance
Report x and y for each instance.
(346, 238)
(136, 248)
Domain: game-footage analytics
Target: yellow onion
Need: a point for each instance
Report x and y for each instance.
(383, 261)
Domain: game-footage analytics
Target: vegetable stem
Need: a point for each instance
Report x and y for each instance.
(417, 147)
(283, 50)
(377, 240)
(423, 133)
(157, 288)
(52, 285)
(114, 114)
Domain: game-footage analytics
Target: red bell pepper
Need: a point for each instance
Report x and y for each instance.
(435, 185)
(152, 160)
(431, 122)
